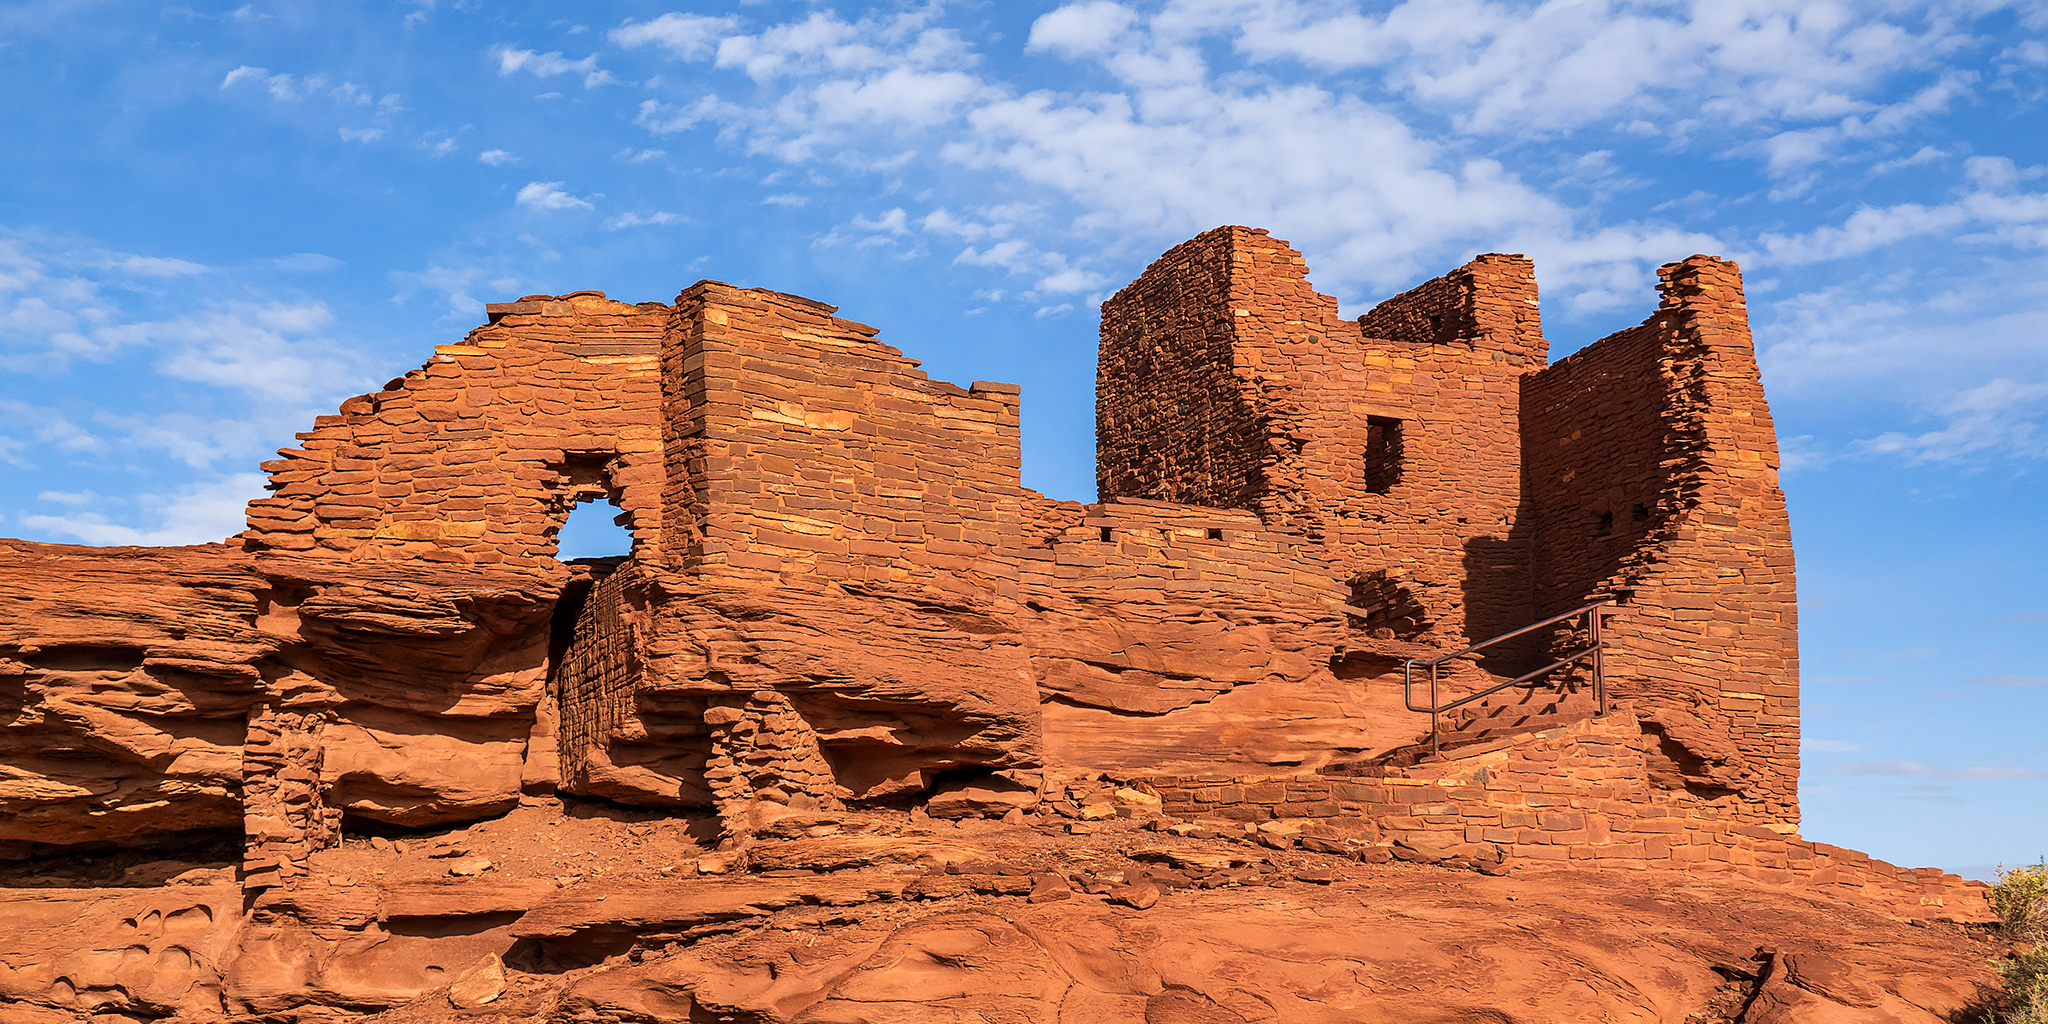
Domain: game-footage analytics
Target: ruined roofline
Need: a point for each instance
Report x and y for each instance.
(1488, 302)
(710, 293)
(1681, 289)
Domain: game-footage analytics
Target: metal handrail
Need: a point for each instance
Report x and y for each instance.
(1592, 612)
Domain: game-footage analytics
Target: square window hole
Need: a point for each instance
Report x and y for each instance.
(1382, 454)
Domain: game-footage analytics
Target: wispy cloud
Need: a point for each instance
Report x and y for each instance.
(634, 220)
(2002, 415)
(198, 513)
(548, 195)
(548, 65)
(2010, 680)
(1916, 770)
(684, 36)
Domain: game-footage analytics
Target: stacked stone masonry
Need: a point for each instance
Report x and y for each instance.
(801, 447)
(593, 680)
(839, 592)
(478, 455)
(285, 811)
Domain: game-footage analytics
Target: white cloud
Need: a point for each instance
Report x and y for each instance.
(784, 199)
(496, 158)
(2002, 415)
(458, 286)
(1916, 770)
(639, 156)
(1867, 229)
(1177, 151)
(274, 361)
(548, 195)
(2011, 680)
(1081, 29)
(364, 135)
(195, 514)
(200, 442)
(274, 352)
(291, 88)
(1014, 254)
(548, 65)
(668, 118)
(634, 220)
(1070, 279)
(1791, 152)
(161, 266)
(824, 44)
(280, 86)
(684, 36)
(1540, 68)
(56, 430)
(893, 223)
(1827, 746)
(306, 261)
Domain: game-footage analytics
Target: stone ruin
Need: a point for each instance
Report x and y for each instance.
(840, 597)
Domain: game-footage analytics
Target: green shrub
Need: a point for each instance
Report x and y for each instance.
(2021, 901)
(2026, 984)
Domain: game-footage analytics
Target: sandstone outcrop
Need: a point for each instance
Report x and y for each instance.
(862, 729)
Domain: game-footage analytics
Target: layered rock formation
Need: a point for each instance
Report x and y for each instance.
(384, 752)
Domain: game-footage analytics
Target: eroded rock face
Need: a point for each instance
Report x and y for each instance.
(131, 678)
(590, 912)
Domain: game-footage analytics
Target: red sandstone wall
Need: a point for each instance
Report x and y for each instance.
(1226, 379)
(479, 455)
(1653, 466)
(800, 446)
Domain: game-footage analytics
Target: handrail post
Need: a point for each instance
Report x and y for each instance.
(1599, 673)
(1434, 707)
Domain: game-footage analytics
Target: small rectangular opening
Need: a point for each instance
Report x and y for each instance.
(1215, 533)
(1105, 535)
(1382, 454)
(1604, 527)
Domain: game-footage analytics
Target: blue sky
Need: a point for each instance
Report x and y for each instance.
(218, 220)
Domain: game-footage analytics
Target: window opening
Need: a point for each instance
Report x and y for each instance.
(1215, 533)
(1605, 527)
(1105, 535)
(1382, 454)
(593, 531)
